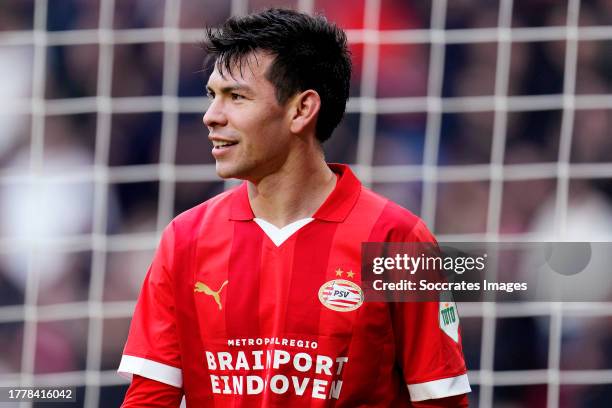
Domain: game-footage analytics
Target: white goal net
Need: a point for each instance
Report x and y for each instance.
(489, 119)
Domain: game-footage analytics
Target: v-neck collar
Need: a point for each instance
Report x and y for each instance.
(280, 235)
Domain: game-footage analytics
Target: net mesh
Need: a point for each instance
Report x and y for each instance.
(489, 124)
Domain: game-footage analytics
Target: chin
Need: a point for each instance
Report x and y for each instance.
(228, 172)
(224, 174)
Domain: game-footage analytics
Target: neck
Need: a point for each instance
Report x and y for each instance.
(293, 192)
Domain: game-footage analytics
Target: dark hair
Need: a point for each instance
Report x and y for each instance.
(309, 51)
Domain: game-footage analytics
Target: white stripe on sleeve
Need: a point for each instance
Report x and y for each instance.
(150, 369)
(445, 387)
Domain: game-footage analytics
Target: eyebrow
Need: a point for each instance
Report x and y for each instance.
(231, 88)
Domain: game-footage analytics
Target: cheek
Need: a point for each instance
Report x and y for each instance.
(265, 131)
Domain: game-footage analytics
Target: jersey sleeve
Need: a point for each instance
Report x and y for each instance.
(144, 392)
(428, 342)
(152, 349)
(456, 401)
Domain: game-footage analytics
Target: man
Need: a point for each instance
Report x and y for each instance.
(236, 309)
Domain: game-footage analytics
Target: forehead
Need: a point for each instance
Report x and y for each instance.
(249, 70)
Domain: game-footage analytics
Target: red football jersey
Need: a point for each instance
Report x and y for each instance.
(238, 312)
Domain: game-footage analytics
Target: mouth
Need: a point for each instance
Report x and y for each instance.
(222, 147)
(219, 144)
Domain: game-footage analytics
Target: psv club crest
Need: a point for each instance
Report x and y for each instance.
(341, 295)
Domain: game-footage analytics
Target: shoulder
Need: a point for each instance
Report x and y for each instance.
(394, 222)
(192, 221)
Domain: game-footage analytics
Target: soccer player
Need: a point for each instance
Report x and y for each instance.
(254, 297)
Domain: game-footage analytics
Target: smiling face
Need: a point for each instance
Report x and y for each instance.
(248, 127)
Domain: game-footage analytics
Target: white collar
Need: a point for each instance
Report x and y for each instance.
(280, 235)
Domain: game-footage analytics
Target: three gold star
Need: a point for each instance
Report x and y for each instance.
(349, 274)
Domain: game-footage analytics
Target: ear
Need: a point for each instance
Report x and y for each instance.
(306, 106)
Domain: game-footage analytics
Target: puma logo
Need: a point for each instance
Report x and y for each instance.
(202, 287)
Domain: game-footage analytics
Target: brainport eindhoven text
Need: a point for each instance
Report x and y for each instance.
(300, 370)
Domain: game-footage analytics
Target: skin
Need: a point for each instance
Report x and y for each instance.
(275, 150)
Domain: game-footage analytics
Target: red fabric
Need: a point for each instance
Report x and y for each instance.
(458, 401)
(153, 325)
(243, 318)
(146, 393)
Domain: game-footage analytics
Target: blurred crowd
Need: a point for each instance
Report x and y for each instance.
(55, 209)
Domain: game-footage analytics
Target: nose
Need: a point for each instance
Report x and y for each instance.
(214, 115)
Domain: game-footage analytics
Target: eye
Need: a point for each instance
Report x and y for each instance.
(210, 95)
(237, 97)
